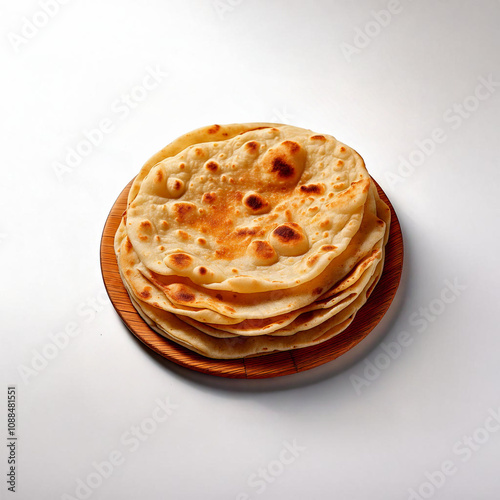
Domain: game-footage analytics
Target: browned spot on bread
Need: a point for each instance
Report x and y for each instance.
(164, 224)
(182, 166)
(317, 290)
(209, 197)
(283, 169)
(342, 149)
(201, 241)
(313, 188)
(292, 146)
(202, 270)
(128, 272)
(182, 294)
(312, 260)
(128, 245)
(182, 234)
(157, 238)
(318, 138)
(145, 224)
(162, 248)
(255, 202)
(218, 296)
(328, 248)
(180, 260)
(159, 175)
(252, 146)
(143, 237)
(287, 233)
(246, 231)
(212, 166)
(263, 250)
(183, 211)
(340, 163)
(146, 292)
(213, 129)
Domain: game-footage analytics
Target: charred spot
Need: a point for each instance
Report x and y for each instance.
(218, 296)
(312, 189)
(246, 231)
(177, 184)
(202, 270)
(159, 175)
(264, 250)
(252, 146)
(182, 210)
(145, 294)
(208, 198)
(213, 129)
(181, 260)
(293, 147)
(283, 168)
(212, 166)
(318, 138)
(255, 202)
(317, 290)
(287, 233)
(183, 295)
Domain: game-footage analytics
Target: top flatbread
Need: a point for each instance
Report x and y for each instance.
(266, 209)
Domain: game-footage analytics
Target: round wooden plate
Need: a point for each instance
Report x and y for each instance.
(270, 365)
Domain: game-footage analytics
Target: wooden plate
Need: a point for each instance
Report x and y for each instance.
(270, 365)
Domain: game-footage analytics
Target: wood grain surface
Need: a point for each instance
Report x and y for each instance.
(270, 365)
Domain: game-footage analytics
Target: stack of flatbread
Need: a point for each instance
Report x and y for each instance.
(241, 240)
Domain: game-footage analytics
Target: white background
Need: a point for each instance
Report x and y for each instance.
(305, 63)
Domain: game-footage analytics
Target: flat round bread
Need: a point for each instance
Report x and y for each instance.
(267, 209)
(245, 239)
